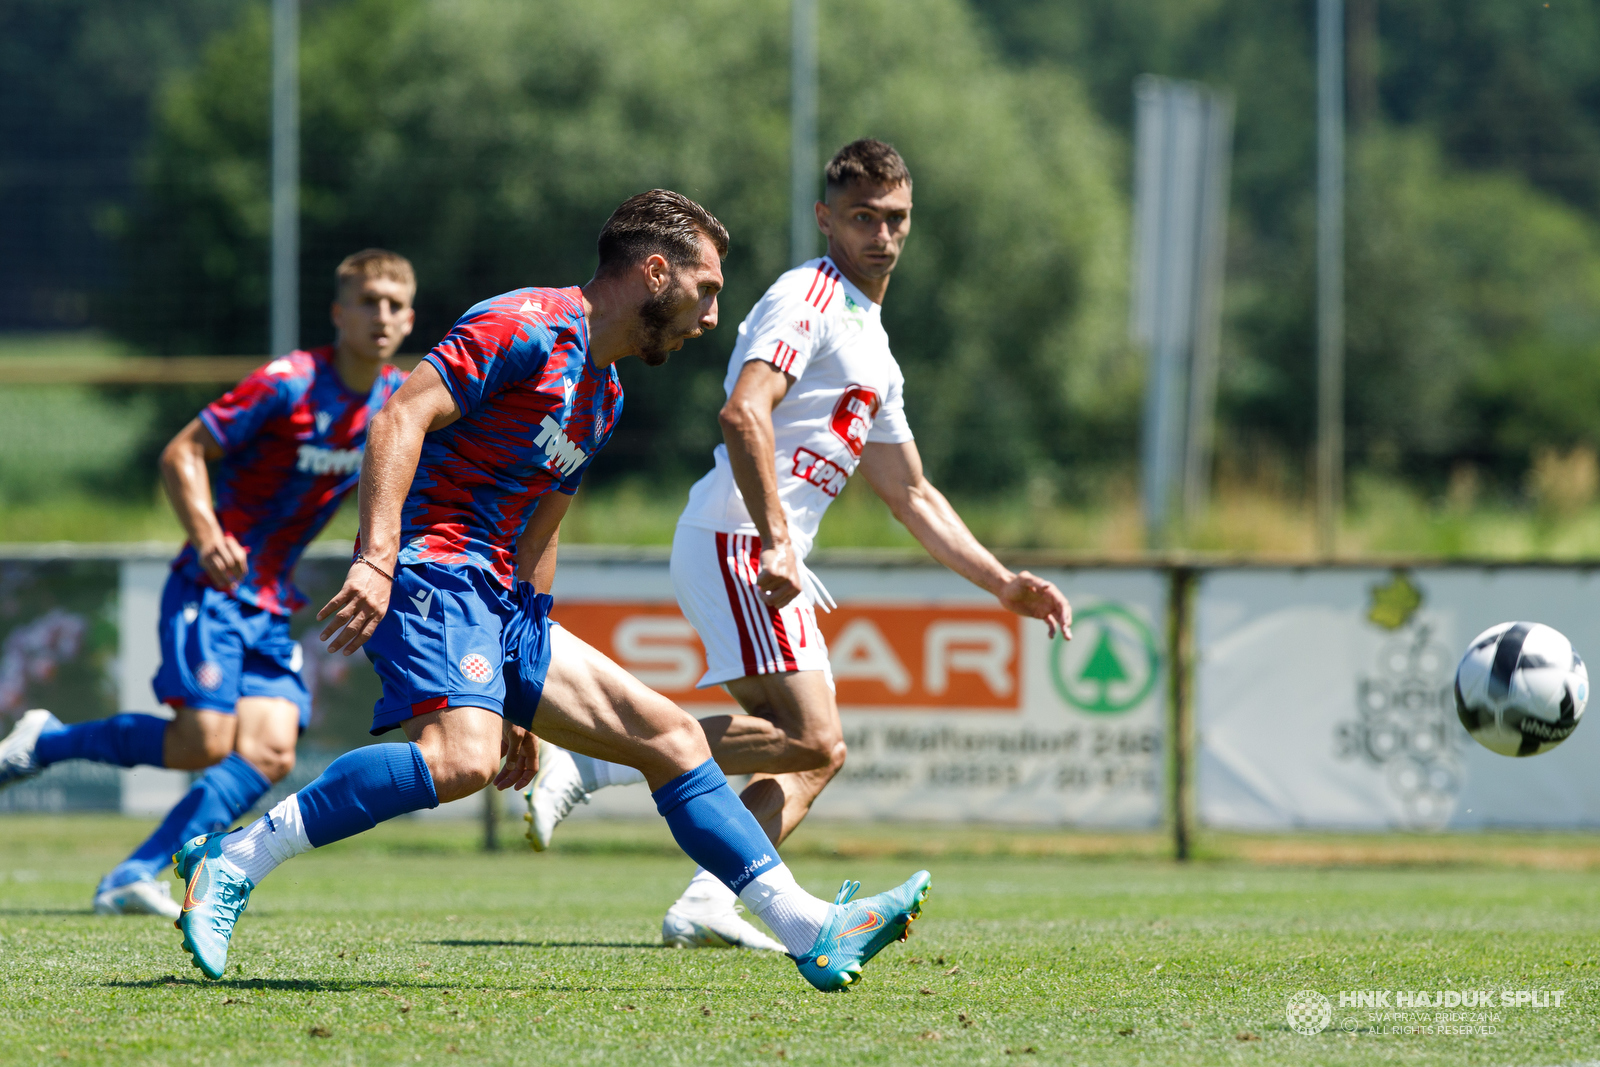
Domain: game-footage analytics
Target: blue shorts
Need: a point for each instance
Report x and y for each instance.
(455, 637)
(215, 650)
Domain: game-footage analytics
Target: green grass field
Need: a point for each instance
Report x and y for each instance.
(410, 945)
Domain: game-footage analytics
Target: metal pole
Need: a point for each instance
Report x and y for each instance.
(1211, 249)
(285, 313)
(1330, 272)
(803, 132)
(491, 818)
(1180, 662)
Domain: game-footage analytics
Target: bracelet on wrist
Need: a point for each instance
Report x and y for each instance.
(374, 566)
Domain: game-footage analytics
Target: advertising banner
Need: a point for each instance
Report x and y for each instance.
(953, 708)
(1325, 699)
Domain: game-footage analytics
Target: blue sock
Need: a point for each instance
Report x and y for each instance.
(218, 797)
(360, 789)
(713, 827)
(126, 740)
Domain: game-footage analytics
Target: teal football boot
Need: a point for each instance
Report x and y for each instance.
(215, 894)
(854, 933)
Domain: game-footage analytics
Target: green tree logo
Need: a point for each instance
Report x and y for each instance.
(1112, 666)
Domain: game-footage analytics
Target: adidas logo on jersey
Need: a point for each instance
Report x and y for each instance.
(316, 460)
(564, 455)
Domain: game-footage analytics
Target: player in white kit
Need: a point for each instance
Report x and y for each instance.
(813, 393)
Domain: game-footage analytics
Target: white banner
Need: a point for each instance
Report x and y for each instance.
(1325, 699)
(953, 708)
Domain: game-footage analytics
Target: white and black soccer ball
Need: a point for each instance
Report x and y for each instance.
(1521, 689)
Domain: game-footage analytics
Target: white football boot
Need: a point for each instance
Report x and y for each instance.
(557, 789)
(144, 897)
(17, 760)
(712, 924)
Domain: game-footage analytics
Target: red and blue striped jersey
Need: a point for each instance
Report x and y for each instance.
(534, 411)
(292, 436)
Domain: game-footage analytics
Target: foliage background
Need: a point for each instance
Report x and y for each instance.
(489, 142)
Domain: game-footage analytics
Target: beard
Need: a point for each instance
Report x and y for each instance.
(656, 317)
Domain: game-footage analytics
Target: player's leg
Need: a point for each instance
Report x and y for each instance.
(592, 706)
(195, 738)
(439, 653)
(794, 728)
(267, 728)
(800, 705)
(706, 914)
(271, 707)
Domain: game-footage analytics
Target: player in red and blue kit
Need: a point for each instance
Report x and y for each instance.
(469, 471)
(288, 441)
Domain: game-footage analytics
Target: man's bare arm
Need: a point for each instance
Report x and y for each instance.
(188, 485)
(394, 444)
(895, 473)
(747, 431)
(536, 548)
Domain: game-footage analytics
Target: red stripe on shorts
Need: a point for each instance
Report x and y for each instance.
(747, 554)
(726, 563)
(422, 707)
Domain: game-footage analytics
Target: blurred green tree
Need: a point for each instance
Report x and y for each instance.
(1471, 311)
(489, 142)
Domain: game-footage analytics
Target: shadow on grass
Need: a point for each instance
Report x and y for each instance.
(383, 986)
(545, 944)
(288, 985)
(45, 911)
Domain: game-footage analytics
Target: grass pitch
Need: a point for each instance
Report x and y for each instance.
(409, 945)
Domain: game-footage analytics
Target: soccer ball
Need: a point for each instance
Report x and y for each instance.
(1520, 689)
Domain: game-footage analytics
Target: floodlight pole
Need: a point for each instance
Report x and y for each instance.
(803, 132)
(1330, 272)
(285, 313)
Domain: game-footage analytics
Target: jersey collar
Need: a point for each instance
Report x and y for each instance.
(850, 289)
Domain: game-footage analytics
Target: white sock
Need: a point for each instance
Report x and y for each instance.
(707, 893)
(278, 835)
(598, 774)
(793, 914)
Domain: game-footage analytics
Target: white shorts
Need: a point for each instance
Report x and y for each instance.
(714, 577)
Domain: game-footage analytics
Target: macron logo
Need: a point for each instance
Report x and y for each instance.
(423, 602)
(564, 455)
(315, 460)
(324, 420)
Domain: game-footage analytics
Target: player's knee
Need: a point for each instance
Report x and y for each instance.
(273, 761)
(214, 748)
(820, 751)
(462, 773)
(676, 738)
(836, 757)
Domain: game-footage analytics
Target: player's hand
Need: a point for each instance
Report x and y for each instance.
(520, 749)
(1038, 599)
(225, 561)
(779, 580)
(357, 609)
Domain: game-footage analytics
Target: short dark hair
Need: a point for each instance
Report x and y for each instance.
(660, 221)
(867, 161)
(373, 263)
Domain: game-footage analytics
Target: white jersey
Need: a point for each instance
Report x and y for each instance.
(824, 332)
